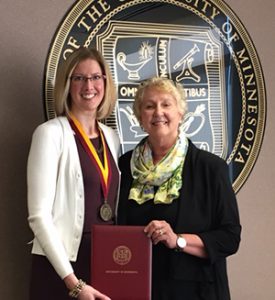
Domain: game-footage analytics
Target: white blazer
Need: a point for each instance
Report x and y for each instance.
(56, 191)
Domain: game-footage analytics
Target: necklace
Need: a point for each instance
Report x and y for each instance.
(99, 150)
(97, 143)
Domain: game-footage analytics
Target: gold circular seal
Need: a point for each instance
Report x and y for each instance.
(122, 255)
(200, 44)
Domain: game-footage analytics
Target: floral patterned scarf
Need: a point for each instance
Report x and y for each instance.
(166, 174)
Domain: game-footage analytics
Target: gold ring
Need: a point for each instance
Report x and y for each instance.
(160, 232)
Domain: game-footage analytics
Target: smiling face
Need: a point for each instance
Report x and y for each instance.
(86, 95)
(159, 115)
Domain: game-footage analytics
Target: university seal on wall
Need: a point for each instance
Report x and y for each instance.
(200, 44)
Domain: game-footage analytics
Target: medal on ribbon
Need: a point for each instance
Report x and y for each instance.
(103, 169)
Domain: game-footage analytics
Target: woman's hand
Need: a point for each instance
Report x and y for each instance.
(161, 231)
(89, 293)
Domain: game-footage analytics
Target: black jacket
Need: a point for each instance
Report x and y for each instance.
(208, 208)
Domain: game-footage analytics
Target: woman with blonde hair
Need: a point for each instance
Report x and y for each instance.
(72, 179)
(182, 196)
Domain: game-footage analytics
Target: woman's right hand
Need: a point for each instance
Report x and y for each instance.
(89, 293)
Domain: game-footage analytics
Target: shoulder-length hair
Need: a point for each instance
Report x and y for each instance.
(62, 98)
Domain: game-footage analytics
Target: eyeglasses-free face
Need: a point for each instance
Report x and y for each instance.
(160, 115)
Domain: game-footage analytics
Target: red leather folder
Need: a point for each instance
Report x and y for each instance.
(121, 262)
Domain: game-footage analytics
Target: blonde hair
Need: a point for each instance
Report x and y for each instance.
(162, 84)
(62, 97)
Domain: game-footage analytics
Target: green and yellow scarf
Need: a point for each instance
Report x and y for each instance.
(166, 174)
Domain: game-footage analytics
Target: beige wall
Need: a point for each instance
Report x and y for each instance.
(26, 30)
